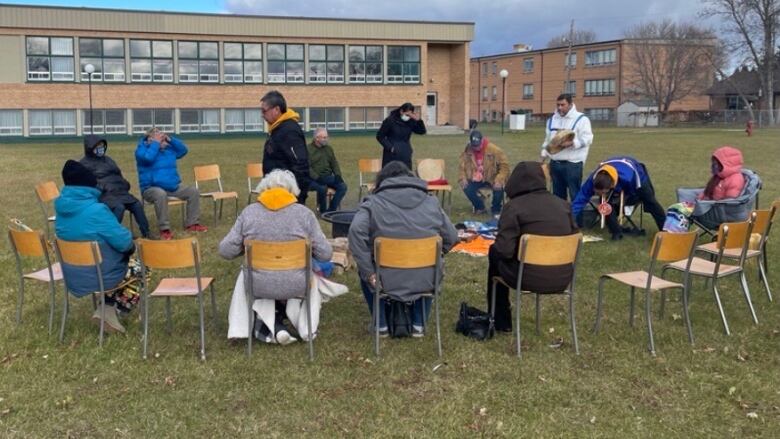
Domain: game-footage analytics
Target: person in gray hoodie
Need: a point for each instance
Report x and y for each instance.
(399, 207)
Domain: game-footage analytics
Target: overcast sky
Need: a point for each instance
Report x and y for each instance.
(499, 23)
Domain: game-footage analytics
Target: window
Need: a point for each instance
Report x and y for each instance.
(198, 61)
(148, 118)
(151, 61)
(326, 63)
(199, 121)
(107, 56)
(571, 60)
(600, 57)
(243, 62)
(484, 93)
(570, 87)
(365, 64)
(495, 69)
(49, 59)
(528, 65)
(484, 69)
(285, 63)
(403, 64)
(106, 122)
(528, 91)
(600, 113)
(365, 118)
(494, 93)
(330, 118)
(600, 87)
(243, 120)
(10, 122)
(52, 122)
(302, 113)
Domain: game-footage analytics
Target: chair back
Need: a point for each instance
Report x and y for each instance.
(764, 219)
(28, 243)
(738, 234)
(430, 169)
(253, 170)
(669, 247)
(207, 173)
(166, 255)
(277, 255)
(407, 253)
(78, 253)
(549, 250)
(46, 191)
(368, 166)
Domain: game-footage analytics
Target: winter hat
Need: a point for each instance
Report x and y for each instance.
(76, 174)
(475, 139)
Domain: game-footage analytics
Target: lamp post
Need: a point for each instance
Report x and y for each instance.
(503, 73)
(90, 69)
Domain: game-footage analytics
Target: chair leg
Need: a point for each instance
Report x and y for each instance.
(662, 306)
(168, 319)
(64, 315)
(236, 212)
(573, 324)
(438, 324)
(52, 298)
(308, 324)
(687, 316)
(538, 314)
(631, 307)
(102, 317)
(720, 306)
(94, 302)
(649, 319)
(599, 304)
(202, 327)
(762, 275)
(214, 306)
(746, 292)
(214, 203)
(20, 301)
(145, 299)
(517, 322)
(221, 203)
(250, 320)
(376, 323)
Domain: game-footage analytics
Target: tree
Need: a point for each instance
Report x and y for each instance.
(752, 26)
(668, 61)
(580, 36)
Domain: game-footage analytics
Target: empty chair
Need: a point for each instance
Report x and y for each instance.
(210, 173)
(432, 171)
(253, 171)
(32, 244)
(367, 168)
(46, 193)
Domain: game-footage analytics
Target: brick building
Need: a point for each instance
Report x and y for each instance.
(190, 73)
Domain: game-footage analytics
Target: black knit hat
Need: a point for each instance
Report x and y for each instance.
(76, 174)
(475, 139)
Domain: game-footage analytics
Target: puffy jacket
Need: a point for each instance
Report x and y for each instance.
(285, 148)
(114, 187)
(631, 175)
(729, 182)
(156, 166)
(399, 208)
(495, 166)
(394, 135)
(81, 217)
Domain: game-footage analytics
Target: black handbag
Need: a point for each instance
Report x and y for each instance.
(474, 323)
(399, 319)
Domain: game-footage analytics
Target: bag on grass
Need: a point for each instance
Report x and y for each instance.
(474, 323)
(399, 319)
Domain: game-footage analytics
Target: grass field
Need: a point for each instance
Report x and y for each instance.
(723, 386)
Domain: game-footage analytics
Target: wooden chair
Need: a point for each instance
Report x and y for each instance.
(730, 236)
(32, 244)
(277, 256)
(667, 247)
(544, 251)
(408, 254)
(171, 255)
(253, 170)
(209, 173)
(432, 170)
(369, 167)
(47, 192)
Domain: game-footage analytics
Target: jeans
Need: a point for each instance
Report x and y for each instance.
(321, 185)
(417, 307)
(565, 176)
(472, 193)
(136, 209)
(159, 197)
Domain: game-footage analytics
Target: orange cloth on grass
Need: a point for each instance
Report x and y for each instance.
(478, 246)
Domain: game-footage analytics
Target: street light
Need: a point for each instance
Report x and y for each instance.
(90, 69)
(503, 73)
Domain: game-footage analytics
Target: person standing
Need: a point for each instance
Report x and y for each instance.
(483, 165)
(325, 172)
(566, 164)
(285, 147)
(395, 132)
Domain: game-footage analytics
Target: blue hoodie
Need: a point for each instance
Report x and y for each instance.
(157, 167)
(81, 217)
(631, 176)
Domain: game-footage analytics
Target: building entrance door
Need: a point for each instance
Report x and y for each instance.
(430, 113)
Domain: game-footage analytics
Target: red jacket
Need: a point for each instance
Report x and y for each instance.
(729, 182)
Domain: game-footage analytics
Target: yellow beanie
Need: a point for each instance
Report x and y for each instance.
(611, 171)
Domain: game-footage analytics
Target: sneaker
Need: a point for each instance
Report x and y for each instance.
(283, 336)
(384, 332)
(112, 321)
(262, 333)
(166, 235)
(418, 331)
(197, 228)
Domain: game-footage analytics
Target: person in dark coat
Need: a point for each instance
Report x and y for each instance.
(531, 209)
(285, 147)
(114, 188)
(395, 132)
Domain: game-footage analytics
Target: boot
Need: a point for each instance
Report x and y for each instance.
(112, 321)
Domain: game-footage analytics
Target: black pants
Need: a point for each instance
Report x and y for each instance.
(503, 316)
(644, 195)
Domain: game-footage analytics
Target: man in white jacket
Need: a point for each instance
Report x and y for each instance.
(566, 165)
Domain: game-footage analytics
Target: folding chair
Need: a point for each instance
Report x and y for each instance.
(277, 256)
(408, 254)
(253, 170)
(208, 173)
(731, 236)
(32, 244)
(367, 166)
(544, 251)
(170, 255)
(625, 213)
(432, 170)
(47, 192)
(666, 247)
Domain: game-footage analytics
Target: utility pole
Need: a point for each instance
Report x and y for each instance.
(568, 58)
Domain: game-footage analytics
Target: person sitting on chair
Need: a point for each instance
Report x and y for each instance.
(483, 165)
(727, 180)
(325, 172)
(615, 176)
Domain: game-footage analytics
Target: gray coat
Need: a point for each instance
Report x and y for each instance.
(399, 208)
(289, 223)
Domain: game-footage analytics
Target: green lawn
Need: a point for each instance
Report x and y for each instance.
(722, 386)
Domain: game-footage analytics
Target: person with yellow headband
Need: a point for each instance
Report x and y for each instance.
(614, 176)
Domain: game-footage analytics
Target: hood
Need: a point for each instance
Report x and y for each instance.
(730, 158)
(288, 115)
(73, 200)
(404, 192)
(89, 144)
(526, 177)
(276, 198)
(572, 114)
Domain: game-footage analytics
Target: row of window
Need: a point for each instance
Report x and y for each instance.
(596, 87)
(52, 59)
(99, 121)
(600, 113)
(593, 58)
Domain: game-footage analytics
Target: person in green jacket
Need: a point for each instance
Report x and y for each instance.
(325, 172)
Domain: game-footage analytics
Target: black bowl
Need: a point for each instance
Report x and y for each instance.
(340, 221)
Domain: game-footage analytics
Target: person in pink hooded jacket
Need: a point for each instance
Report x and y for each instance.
(727, 180)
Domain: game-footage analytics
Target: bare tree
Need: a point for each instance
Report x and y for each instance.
(580, 36)
(668, 61)
(718, 59)
(753, 27)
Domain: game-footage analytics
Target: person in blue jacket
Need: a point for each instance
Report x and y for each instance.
(156, 156)
(615, 176)
(82, 217)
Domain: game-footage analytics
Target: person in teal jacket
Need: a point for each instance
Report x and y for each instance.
(82, 217)
(156, 156)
